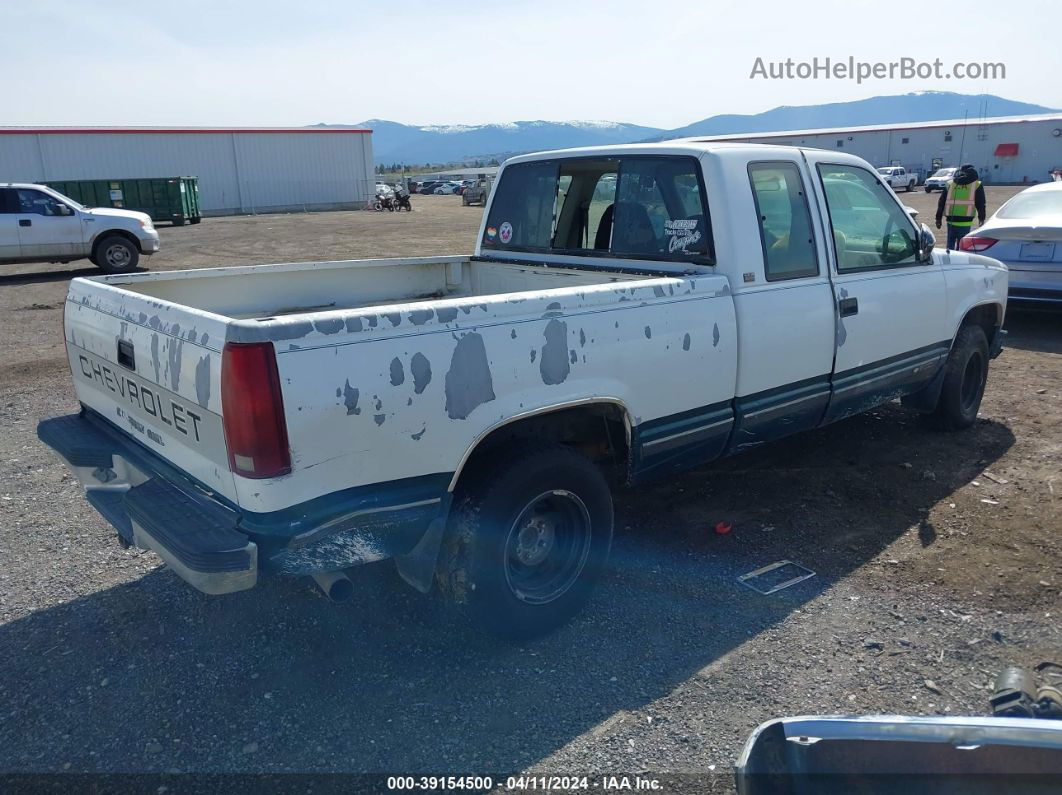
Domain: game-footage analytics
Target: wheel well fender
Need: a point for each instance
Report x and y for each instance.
(599, 427)
(100, 236)
(989, 316)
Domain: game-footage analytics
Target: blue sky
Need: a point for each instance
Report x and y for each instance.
(663, 63)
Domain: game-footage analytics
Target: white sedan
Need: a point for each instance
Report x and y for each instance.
(446, 188)
(1026, 234)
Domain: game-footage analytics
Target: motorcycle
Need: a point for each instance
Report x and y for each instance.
(401, 201)
(384, 202)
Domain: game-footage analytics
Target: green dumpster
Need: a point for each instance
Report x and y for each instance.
(174, 199)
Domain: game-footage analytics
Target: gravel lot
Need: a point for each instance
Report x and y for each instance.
(931, 574)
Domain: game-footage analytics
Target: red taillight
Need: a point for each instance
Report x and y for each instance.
(971, 243)
(253, 411)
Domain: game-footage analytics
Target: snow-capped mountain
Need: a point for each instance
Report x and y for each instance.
(394, 142)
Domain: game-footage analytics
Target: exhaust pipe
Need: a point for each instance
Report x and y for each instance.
(335, 584)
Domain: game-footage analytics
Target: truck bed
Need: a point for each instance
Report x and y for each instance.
(380, 354)
(281, 290)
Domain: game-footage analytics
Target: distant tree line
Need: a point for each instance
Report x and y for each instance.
(407, 168)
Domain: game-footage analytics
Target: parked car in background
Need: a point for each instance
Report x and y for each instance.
(898, 177)
(477, 192)
(428, 186)
(1026, 235)
(446, 188)
(38, 224)
(940, 179)
(328, 415)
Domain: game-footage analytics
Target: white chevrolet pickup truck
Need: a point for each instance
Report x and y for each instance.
(628, 312)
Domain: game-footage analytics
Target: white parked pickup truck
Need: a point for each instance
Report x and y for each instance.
(898, 178)
(629, 312)
(38, 224)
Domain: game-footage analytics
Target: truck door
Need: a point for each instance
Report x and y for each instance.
(9, 248)
(890, 305)
(784, 308)
(46, 227)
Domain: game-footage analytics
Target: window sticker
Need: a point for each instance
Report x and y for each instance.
(505, 233)
(682, 234)
(492, 233)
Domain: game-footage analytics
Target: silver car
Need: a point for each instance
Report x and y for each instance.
(940, 179)
(1026, 234)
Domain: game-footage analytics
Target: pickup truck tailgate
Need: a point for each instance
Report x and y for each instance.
(151, 369)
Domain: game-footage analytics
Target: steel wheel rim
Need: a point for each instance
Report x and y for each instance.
(117, 255)
(972, 376)
(547, 547)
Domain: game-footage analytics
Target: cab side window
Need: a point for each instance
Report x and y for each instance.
(8, 201)
(785, 221)
(870, 229)
(36, 202)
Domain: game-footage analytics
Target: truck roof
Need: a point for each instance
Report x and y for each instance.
(695, 146)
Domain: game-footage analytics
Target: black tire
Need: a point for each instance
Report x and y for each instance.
(116, 254)
(928, 189)
(527, 543)
(195, 220)
(464, 200)
(965, 376)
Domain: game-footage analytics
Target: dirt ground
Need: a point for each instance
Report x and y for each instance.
(936, 560)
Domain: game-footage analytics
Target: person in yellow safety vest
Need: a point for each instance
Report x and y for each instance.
(963, 199)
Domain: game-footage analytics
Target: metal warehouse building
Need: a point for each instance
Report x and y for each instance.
(240, 170)
(1005, 149)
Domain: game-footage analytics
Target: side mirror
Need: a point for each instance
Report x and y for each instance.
(63, 209)
(926, 242)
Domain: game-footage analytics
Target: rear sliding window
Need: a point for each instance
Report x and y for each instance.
(636, 207)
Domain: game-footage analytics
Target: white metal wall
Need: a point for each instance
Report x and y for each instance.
(1039, 149)
(239, 172)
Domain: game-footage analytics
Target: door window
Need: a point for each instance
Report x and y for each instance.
(785, 221)
(870, 230)
(36, 202)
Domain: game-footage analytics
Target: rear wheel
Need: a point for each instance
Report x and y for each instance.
(965, 376)
(528, 541)
(116, 254)
(195, 220)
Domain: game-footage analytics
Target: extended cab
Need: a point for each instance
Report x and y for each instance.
(628, 312)
(38, 224)
(898, 178)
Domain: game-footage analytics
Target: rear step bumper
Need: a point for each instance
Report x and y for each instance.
(194, 534)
